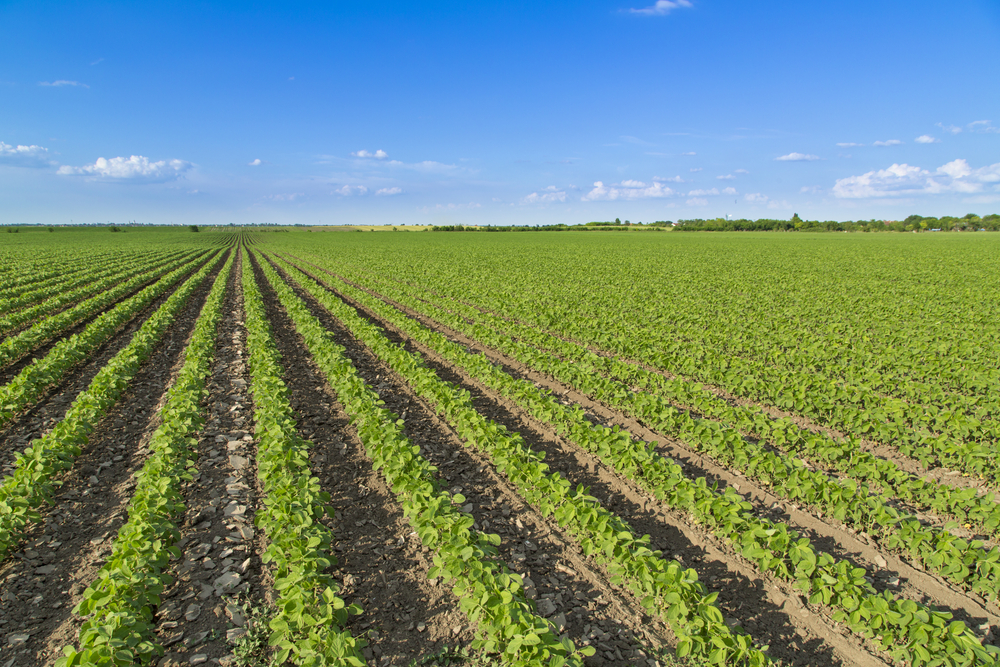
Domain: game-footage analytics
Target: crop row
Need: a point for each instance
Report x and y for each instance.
(491, 596)
(838, 498)
(118, 605)
(308, 624)
(42, 272)
(32, 483)
(24, 389)
(69, 292)
(15, 347)
(921, 638)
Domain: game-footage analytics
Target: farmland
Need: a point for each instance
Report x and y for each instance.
(231, 446)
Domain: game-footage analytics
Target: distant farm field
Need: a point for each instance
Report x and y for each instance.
(233, 447)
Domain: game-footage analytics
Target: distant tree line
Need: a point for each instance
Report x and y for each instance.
(914, 223)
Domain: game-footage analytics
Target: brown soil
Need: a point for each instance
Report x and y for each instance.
(61, 555)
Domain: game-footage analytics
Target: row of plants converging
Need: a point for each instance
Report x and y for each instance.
(490, 595)
(35, 469)
(34, 379)
(118, 605)
(663, 586)
(81, 287)
(905, 628)
(15, 347)
(308, 626)
(917, 430)
(967, 563)
(654, 331)
(22, 275)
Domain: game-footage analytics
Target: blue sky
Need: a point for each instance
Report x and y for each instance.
(520, 113)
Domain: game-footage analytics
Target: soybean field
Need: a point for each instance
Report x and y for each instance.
(246, 447)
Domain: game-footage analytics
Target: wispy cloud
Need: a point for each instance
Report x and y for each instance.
(377, 155)
(982, 126)
(291, 196)
(696, 201)
(888, 142)
(951, 129)
(689, 153)
(255, 163)
(703, 193)
(62, 82)
(627, 190)
(136, 168)
(388, 192)
(450, 207)
(24, 156)
(797, 157)
(729, 191)
(741, 171)
(927, 139)
(661, 7)
(672, 179)
(848, 144)
(725, 177)
(351, 190)
(755, 198)
(906, 180)
(695, 169)
(549, 195)
(810, 189)
(99, 60)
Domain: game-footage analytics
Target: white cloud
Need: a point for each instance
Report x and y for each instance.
(689, 153)
(730, 191)
(755, 197)
(427, 166)
(136, 168)
(388, 192)
(451, 207)
(982, 126)
(671, 179)
(848, 144)
(741, 171)
(378, 155)
(927, 139)
(696, 201)
(601, 192)
(291, 196)
(702, 193)
(350, 190)
(255, 163)
(661, 8)
(549, 195)
(903, 179)
(24, 156)
(62, 82)
(779, 204)
(695, 169)
(889, 142)
(953, 129)
(797, 157)
(810, 189)
(725, 177)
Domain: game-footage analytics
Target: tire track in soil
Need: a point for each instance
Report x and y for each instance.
(382, 565)
(220, 566)
(890, 570)
(567, 588)
(61, 555)
(51, 407)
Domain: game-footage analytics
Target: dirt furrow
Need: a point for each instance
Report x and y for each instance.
(62, 555)
(219, 571)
